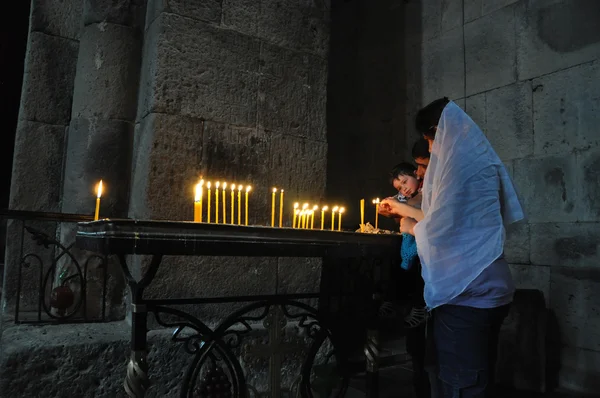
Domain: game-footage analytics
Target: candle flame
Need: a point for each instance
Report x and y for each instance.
(233, 187)
(296, 205)
(208, 185)
(99, 189)
(342, 210)
(198, 192)
(315, 207)
(240, 187)
(274, 190)
(248, 188)
(201, 181)
(282, 190)
(305, 206)
(217, 184)
(224, 185)
(297, 212)
(325, 208)
(334, 209)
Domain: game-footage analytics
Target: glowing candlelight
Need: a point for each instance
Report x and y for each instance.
(296, 212)
(302, 219)
(208, 206)
(217, 184)
(240, 204)
(224, 203)
(232, 202)
(198, 202)
(273, 207)
(362, 215)
(312, 216)
(98, 195)
(333, 217)
(248, 188)
(305, 215)
(323, 210)
(376, 203)
(340, 220)
(281, 209)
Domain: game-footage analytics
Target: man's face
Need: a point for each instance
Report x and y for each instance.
(406, 185)
(422, 164)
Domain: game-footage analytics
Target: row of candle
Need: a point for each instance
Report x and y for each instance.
(376, 202)
(199, 196)
(304, 218)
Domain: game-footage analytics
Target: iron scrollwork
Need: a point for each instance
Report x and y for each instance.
(216, 367)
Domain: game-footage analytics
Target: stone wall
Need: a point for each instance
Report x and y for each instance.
(528, 73)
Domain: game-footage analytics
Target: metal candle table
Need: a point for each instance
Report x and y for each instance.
(346, 315)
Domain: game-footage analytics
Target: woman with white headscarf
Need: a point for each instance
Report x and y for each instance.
(468, 197)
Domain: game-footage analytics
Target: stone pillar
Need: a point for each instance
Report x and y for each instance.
(100, 135)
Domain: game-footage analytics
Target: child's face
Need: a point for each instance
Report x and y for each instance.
(406, 185)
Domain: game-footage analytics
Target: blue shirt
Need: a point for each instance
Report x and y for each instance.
(494, 287)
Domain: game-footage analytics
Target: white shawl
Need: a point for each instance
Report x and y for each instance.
(467, 194)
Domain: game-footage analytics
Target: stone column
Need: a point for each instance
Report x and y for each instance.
(100, 135)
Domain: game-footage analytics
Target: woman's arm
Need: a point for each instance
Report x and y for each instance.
(390, 207)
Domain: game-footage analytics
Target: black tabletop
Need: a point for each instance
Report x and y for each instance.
(189, 238)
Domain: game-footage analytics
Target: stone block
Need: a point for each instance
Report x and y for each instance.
(575, 299)
(98, 149)
(201, 10)
(567, 109)
(302, 174)
(317, 98)
(120, 12)
(443, 71)
(516, 247)
(588, 163)
(48, 79)
(452, 14)
(473, 9)
(240, 155)
(37, 167)
(566, 244)
(224, 84)
(299, 25)
(241, 15)
(532, 277)
(490, 51)
(167, 165)
(488, 6)
(556, 35)
(509, 121)
(107, 72)
(579, 369)
(282, 106)
(57, 18)
(299, 275)
(423, 19)
(548, 188)
(475, 107)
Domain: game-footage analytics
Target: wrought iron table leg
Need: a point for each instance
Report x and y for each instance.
(137, 380)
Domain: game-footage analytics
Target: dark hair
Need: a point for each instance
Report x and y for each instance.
(429, 116)
(402, 169)
(421, 149)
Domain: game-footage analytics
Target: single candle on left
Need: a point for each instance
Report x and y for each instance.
(198, 202)
(98, 195)
(248, 188)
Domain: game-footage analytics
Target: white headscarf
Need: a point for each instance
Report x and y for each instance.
(467, 194)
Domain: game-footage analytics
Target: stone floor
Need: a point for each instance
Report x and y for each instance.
(395, 382)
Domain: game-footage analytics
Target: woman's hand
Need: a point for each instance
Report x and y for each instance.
(390, 207)
(407, 225)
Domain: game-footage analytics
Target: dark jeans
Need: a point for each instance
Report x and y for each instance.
(466, 343)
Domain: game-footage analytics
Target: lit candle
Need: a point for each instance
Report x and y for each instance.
(217, 184)
(208, 206)
(312, 216)
(232, 202)
(302, 219)
(323, 209)
(224, 203)
(296, 211)
(340, 220)
(305, 215)
(333, 217)
(98, 195)
(240, 204)
(376, 203)
(281, 209)
(248, 188)
(198, 203)
(362, 215)
(273, 207)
